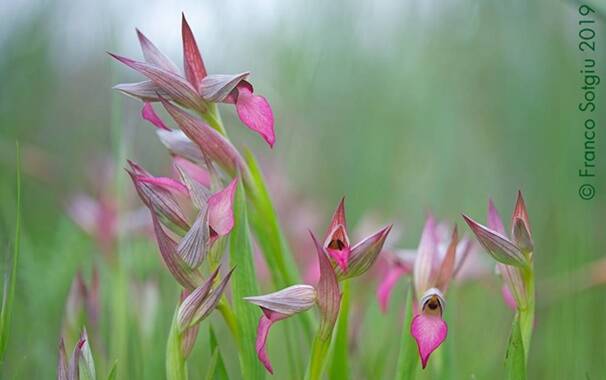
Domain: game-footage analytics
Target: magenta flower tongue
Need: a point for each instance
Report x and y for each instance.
(429, 331)
(268, 319)
(255, 112)
(338, 247)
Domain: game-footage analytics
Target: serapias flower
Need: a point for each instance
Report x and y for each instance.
(513, 255)
(351, 261)
(196, 90)
(80, 362)
(296, 299)
(401, 262)
(214, 219)
(432, 275)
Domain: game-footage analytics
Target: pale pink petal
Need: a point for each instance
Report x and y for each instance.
(220, 209)
(520, 212)
(508, 297)
(429, 331)
(194, 171)
(153, 55)
(494, 219)
(387, 285)
(255, 112)
(425, 257)
(165, 183)
(148, 113)
(340, 256)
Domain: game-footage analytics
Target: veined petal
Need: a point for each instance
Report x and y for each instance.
(177, 87)
(448, 263)
(192, 171)
(148, 113)
(429, 331)
(425, 257)
(364, 254)
(209, 303)
(387, 285)
(328, 293)
(514, 281)
(521, 213)
(192, 60)
(188, 278)
(188, 339)
(153, 55)
(198, 193)
(220, 209)
(521, 235)
(288, 301)
(146, 91)
(255, 112)
(180, 145)
(494, 219)
(193, 247)
(165, 183)
(267, 320)
(215, 88)
(193, 301)
(62, 371)
(503, 250)
(211, 142)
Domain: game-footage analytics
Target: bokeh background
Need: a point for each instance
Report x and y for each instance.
(405, 107)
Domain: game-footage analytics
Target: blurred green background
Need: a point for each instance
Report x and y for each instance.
(402, 106)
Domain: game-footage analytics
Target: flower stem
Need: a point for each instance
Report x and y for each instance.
(527, 313)
(230, 318)
(213, 118)
(176, 367)
(319, 351)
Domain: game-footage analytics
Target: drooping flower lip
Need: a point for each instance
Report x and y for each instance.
(428, 328)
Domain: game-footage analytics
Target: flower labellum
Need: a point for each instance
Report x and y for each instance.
(428, 328)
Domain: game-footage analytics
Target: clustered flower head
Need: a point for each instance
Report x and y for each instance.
(194, 89)
(335, 265)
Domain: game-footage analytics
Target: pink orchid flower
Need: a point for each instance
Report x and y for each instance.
(351, 261)
(196, 90)
(432, 275)
(511, 254)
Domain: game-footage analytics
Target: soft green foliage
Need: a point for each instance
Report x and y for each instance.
(10, 279)
(515, 361)
(408, 359)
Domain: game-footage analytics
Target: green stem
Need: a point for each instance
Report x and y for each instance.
(176, 367)
(213, 118)
(527, 313)
(230, 318)
(339, 364)
(318, 356)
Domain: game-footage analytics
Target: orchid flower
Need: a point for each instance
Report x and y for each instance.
(511, 254)
(83, 304)
(401, 262)
(195, 89)
(432, 273)
(214, 219)
(514, 256)
(296, 299)
(80, 362)
(351, 261)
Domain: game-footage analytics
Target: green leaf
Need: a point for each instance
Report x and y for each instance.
(244, 283)
(515, 362)
(216, 368)
(408, 359)
(113, 372)
(339, 368)
(9, 286)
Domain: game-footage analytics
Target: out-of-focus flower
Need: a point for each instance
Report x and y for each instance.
(432, 273)
(82, 305)
(80, 362)
(351, 261)
(196, 90)
(298, 298)
(512, 255)
(146, 300)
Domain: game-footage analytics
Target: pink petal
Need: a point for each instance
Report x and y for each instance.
(429, 331)
(150, 115)
(153, 55)
(340, 256)
(338, 219)
(146, 91)
(267, 319)
(165, 183)
(328, 292)
(364, 254)
(387, 285)
(255, 112)
(220, 209)
(520, 212)
(194, 171)
(494, 219)
(192, 60)
(508, 297)
(448, 263)
(426, 252)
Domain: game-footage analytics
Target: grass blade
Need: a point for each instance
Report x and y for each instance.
(244, 283)
(216, 368)
(408, 359)
(515, 361)
(11, 278)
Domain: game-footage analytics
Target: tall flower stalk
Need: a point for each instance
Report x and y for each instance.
(514, 256)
